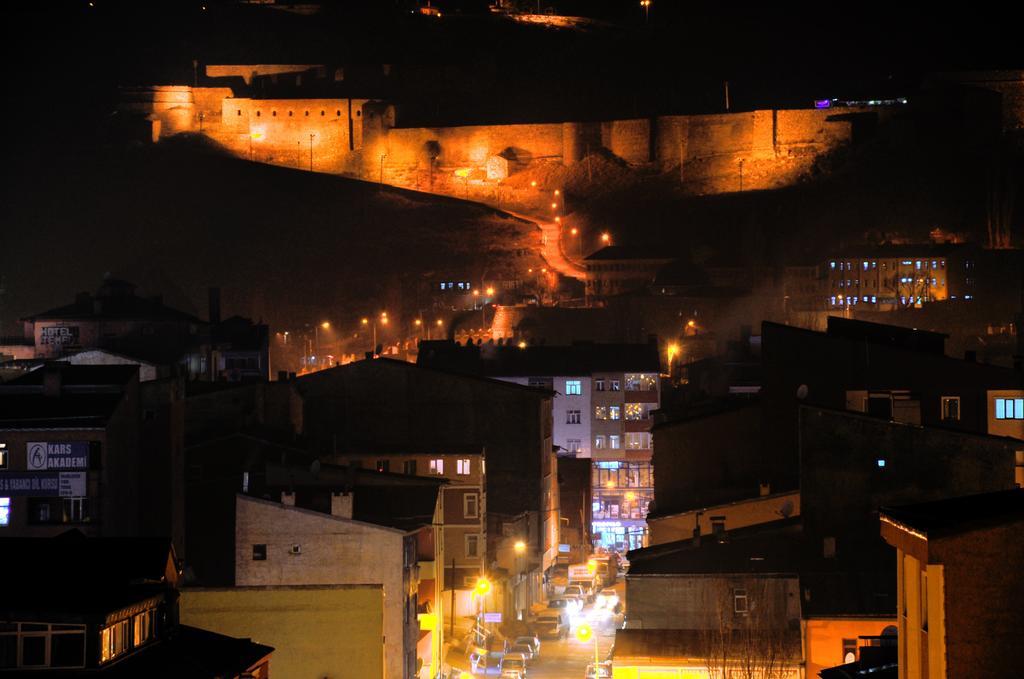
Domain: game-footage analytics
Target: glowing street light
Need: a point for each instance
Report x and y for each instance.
(417, 322)
(490, 291)
(672, 351)
(606, 238)
(522, 344)
(326, 325)
(483, 586)
(439, 322)
(557, 192)
(520, 547)
(585, 633)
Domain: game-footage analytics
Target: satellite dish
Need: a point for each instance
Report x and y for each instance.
(801, 392)
(787, 509)
(314, 468)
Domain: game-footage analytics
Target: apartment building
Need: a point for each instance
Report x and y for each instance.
(604, 395)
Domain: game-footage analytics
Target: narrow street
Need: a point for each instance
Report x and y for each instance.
(553, 250)
(568, 658)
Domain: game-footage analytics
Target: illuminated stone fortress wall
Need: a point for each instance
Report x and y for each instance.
(359, 138)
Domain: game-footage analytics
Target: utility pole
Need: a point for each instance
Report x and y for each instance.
(726, 96)
(451, 613)
(381, 180)
(311, 151)
(298, 153)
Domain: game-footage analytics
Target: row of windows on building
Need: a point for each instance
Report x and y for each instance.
(903, 280)
(50, 510)
(39, 645)
(640, 440)
(633, 412)
(853, 300)
(633, 382)
(463, 466)
(873, 264)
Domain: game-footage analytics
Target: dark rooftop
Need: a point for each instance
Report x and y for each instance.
(37, 577)
(616, 252)
(20, 410)
(81, 375)
(582, 358)
(116, 299)
(959, 514)
(767, 548)
(891, 335)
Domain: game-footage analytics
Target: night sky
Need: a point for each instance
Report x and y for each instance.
(77, 203)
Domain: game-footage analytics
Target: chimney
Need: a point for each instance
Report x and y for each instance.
(51, 381)
(288, 499)
(766, 489)
(341, 505)
(214, 305)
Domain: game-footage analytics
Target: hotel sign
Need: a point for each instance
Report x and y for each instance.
(59, 335)
(63, 455)
(43, 484)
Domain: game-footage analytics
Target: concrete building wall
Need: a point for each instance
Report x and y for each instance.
(975, 603)
(695, 601)
(147, 371)
(318, 632)
(332, 551)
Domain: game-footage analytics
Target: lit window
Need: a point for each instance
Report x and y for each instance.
(3, 456)
(598, 385)
(437, 466)
(599, 442)
(636, 411)
(614, 413)
(573, 387)
(5, 511)
(471, 506)
(614, 441)
(740, 604)
(573, 445)
(641, 382)
(638, 440)
(462, 466)
(880, 462)
(865, 266)
(614, 385)
(383, 465)
(951, 408)
(1010, 408)
(601, 412)
(832, 264)
(259, 552)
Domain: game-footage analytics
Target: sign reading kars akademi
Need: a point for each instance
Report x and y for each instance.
(43, 484)
(43, 455)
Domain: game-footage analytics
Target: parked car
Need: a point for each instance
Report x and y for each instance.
(531, 641)
(608, 598)
(515, 661)
(575, 592)
(554, 625)
(602, 671)
(525, 649)
(572, 605)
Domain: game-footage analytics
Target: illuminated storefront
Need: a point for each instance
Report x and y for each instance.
(623, 492)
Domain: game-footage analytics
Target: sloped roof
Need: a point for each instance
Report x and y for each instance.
(578, 359)
(20, 410)
(766, 548)
(959, 514)
(116, 299)
(73, 575)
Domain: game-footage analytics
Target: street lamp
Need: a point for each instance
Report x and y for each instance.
(585, 633)
(316, 331)
(366, 321)
(606, 238)
(646, 4)
(520, 547)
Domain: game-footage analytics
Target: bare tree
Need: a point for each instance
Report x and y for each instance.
(749, 635)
